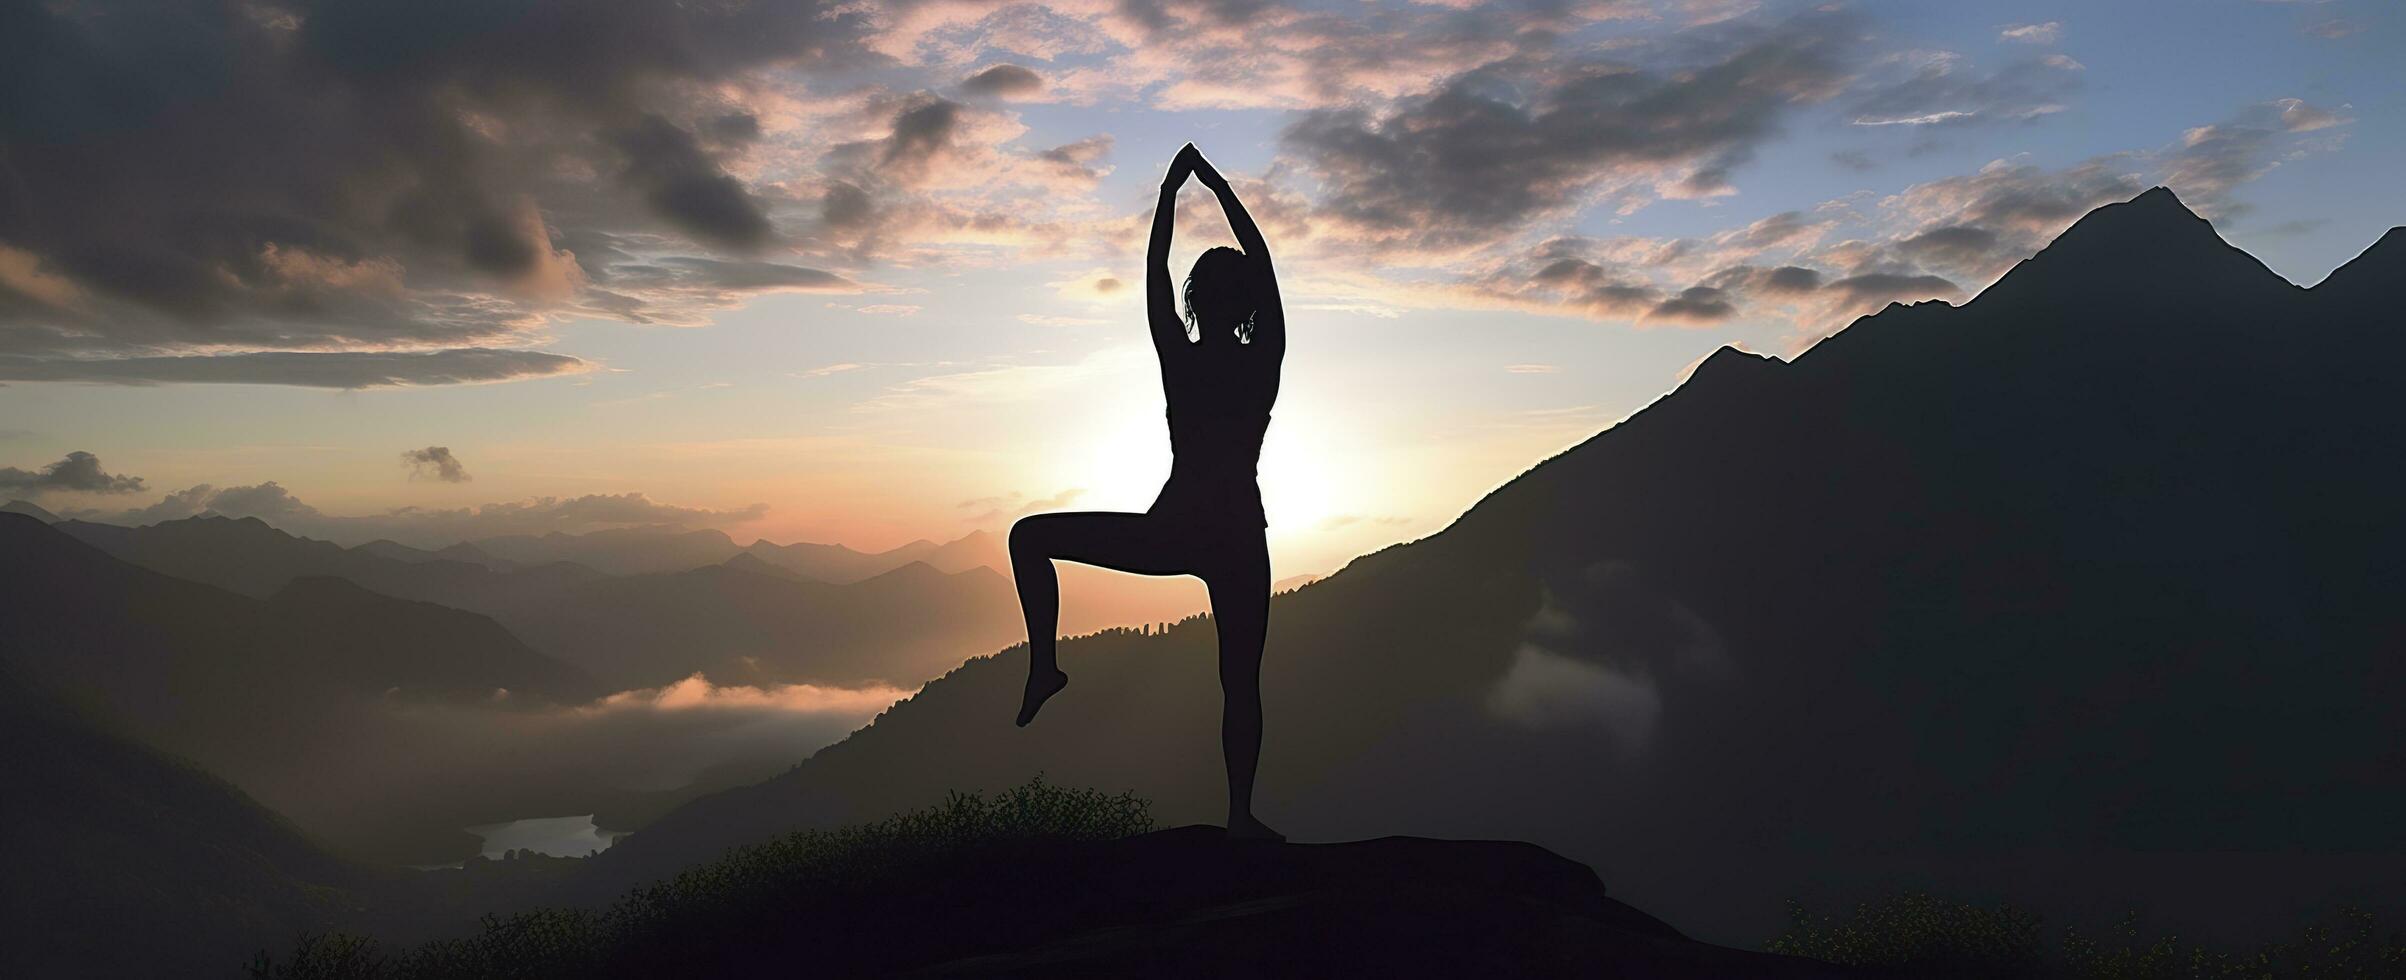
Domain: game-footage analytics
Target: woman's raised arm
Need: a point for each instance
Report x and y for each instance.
(1161, 296)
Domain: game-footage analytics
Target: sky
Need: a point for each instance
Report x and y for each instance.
(868, 272)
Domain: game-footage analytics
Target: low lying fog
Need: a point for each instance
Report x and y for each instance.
(397, 780)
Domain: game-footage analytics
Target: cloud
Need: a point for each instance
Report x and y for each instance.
(684, 184)
(1787, 228)
(1820, 266)
(1004, 81)
(2046, 33)
(422, 760)
(1959, 246)
(697, 693)
(2011, 195)
(1564, 274)
(2296, 116)
(361, 178)
(314, 369)
(1542, 690)
(691, 273)
(365, 199)
(925, 172)
(827, 369)
(1094, 285)
(1081, 160)
(265, 501)
(1532, 369)
(1489, 150)
(1695, 306)
(1937, 89)
(437, 462)
(680, 290)
(1604, 650)
(2211, 160)
(79, 472)
(1791, 279)
(1880, 287)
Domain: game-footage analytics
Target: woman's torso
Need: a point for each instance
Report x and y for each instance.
(1219, 411)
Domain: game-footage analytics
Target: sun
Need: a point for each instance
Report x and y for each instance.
(1299, 478)
(1124, 458)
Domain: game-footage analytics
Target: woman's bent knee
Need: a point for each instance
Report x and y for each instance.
(1027, 538)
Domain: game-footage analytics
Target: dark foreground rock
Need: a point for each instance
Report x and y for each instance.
(1188, 903)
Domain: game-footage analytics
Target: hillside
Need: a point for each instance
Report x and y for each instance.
(122, 861)
(2078, 594)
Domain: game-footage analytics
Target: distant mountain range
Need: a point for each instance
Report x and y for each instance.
(248, 556)
(740, 620)
(744, 623)
(2083, 592)
(617, 551)
(550, 591)
(156, 646)
(1092, 598)
(668, 548)
(838, 564)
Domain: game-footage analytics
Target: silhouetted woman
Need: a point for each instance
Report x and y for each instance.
(1219, 369)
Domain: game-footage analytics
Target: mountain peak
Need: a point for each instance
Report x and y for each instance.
(1731, 359)
(2160, 196)
(2157, 217)
(2144, 250)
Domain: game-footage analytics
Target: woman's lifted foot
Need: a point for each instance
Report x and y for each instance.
(1244, 827)
(1042, 684)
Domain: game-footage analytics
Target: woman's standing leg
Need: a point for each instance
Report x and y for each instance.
(1124, 542)
(1240, 608)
